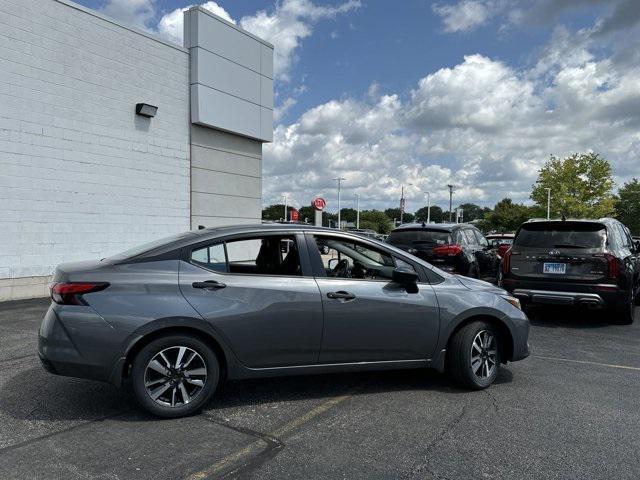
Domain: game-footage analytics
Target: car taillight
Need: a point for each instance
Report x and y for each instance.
(613, 271)
(506, 261)
(450, 250)
(70, 293)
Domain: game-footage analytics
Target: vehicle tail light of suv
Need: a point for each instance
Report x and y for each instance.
(447, 250)
(506, 261)
(613, 269)
(70, 293)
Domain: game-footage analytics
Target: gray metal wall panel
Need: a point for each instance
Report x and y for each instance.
(231, 76)
(218, 37)
(223, 75)
(223, 161)
(266, 92)
(213, 108)
(266, 61)
(207, 137)
(207, 181)
(266, 124)
(212, 205)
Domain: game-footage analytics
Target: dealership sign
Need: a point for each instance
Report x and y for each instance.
(319, 203)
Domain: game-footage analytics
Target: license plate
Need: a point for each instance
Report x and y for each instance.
(555, 268)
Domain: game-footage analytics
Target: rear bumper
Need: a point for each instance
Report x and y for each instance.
(571, 294)
(551, 297)
(76, 342)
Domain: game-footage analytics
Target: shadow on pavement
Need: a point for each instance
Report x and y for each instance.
(36, 395)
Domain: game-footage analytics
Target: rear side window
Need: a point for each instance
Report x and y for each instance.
(480, 238)
(212, 257)
(562, 235)
(269, 255)
(471, 238)
(424, 236)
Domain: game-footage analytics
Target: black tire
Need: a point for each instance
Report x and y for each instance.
(168, 344)
(459, 356)
(624, 315)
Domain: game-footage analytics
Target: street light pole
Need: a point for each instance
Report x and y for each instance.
(450, 202)
(428, 207)
(358, 211)
(339, 179)
(548, 203)
(402, 202)
(285, 207)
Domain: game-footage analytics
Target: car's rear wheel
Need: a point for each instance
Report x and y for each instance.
(473, 356)
(175, 375)
(624, 315)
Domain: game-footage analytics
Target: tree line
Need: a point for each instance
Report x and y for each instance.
(581, 186)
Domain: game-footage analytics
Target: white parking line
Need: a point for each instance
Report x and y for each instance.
(587, 362)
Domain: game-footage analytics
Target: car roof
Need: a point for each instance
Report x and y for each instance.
(604, 220)
(444, 227)
(205, 234)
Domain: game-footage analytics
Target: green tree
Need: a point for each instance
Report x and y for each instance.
(307, 212)
(627, 205)
(273, 212)
(375, 220)
(348, 214)
(395, 213)
(471, 211)
(581, 186)
(507, 216)
(436, 214)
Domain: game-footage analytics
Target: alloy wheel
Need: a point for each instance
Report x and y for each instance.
(484, 354)
(175, 376)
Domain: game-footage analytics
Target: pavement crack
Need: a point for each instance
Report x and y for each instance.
(433, 443)
(273, 447)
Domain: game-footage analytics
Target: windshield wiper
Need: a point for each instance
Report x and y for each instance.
(569, 245)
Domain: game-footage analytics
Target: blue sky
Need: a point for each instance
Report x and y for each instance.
(474, 92)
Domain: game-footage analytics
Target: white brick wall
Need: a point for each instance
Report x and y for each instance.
(81, 176)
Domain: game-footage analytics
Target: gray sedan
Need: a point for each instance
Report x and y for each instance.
(175, 317)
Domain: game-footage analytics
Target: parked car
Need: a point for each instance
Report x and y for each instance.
(454, 247)
(174, 317)
(593, 263)
(501, 242)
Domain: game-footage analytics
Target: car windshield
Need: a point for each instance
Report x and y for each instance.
(408, 237)
(147, 247)
(562, 235)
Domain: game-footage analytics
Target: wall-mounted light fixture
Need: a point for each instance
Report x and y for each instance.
(146, 110)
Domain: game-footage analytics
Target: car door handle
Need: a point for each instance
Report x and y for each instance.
(209, 285)
(342, 295)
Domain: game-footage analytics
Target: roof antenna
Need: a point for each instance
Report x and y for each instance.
(424, 224)
(564, 217)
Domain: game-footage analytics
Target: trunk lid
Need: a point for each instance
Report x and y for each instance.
(560, 252)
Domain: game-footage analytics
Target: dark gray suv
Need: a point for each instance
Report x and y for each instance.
(174, 317)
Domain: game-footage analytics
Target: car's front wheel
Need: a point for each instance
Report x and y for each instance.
(473, 356)
(175, 375)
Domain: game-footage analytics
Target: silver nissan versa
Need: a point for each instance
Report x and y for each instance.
(174, 317)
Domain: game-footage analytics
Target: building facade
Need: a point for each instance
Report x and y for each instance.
(82, 174)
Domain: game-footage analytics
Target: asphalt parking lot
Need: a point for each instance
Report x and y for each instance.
(570, 411)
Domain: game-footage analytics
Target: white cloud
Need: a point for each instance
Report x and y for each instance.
(463, 16)
(138, 13)
(482, 125)
(170, 25)
(287, 25)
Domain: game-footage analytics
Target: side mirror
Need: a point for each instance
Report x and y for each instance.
(333, 262)
(406, 277)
